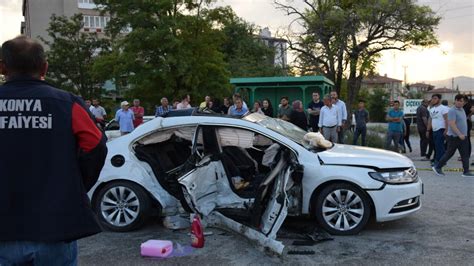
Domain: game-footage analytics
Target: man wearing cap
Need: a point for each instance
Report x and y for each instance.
(125, 118)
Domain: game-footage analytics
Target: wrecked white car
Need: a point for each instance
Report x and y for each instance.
(249, 174)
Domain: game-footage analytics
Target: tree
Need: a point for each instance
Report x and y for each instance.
(377, 103)
(178, 47)
(71, 55)
(344, 37)
(245, 54)
(170, 50)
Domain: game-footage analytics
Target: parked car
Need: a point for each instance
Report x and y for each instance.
(112, 128)
(252, 171)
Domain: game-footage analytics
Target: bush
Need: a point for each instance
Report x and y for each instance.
(373, 139)
(377, 102)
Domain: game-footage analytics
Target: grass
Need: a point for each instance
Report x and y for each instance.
(374, 138)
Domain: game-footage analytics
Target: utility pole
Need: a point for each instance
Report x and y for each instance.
(452, 83)
(405, 79)
(405, 74)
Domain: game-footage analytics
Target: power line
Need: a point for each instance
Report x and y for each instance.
(468, 15)
(456, 8)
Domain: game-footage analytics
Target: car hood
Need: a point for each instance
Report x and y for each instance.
(363, 156)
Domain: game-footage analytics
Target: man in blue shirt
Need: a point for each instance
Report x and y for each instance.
(361, 117)
(125, 118)
(395, 120)
(238, 109)
(164, 108)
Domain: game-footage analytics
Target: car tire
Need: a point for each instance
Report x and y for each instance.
(122, 206)
(342, 209)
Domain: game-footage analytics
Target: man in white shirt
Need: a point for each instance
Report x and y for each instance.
(184, 104)
(98, 112)
(330, 120)
(341, 106)
(438, 122)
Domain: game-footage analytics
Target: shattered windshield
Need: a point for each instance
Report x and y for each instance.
(280, 126)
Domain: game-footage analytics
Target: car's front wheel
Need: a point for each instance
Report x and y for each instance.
(122, 206)
(342, 209)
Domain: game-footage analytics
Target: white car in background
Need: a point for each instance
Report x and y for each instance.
(112, 128)
(250, 174)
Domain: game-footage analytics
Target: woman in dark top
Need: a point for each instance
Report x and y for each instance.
(224, 108)
(267, 107)
(298, 116)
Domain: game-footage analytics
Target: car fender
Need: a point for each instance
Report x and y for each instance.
(314, 177)
(141, 176)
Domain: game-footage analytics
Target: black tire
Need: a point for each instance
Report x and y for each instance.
(353, 214)
(142, 210)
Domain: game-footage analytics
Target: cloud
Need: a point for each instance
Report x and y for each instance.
(10, 19)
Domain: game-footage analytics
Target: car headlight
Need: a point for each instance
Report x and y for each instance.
(396, 177)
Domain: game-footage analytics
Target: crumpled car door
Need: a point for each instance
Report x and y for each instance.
(207, 188)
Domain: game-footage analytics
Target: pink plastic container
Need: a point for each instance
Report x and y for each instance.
(156, 248)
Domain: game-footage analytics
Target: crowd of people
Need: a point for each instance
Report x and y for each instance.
(328, 116)
(444, 129)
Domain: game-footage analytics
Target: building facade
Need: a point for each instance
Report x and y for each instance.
(390, 85)
(37, 15)
(279, 44)
(420, 87)
(446, 94)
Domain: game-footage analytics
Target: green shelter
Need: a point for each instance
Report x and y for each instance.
(273, 88)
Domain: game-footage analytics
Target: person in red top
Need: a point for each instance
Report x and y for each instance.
(138, 112)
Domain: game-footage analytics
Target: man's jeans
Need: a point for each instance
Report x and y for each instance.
(438, 137)
(393, 136)
(424, 141)
(37, 253)
(340, 135)
(359, 131)
(455, 143)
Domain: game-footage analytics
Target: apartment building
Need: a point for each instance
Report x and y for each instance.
(279, 44)
(37, 14)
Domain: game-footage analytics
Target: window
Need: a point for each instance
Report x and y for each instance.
(97, 22)
(86, 4)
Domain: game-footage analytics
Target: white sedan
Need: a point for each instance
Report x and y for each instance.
(249, 173)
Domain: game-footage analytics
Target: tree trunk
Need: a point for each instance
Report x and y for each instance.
(353, 83)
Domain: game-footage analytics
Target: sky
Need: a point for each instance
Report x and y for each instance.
(453, 57)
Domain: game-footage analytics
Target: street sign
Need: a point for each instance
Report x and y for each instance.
(410, 106)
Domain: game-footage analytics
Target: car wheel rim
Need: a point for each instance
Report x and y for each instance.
(120, 206)
(343, 209)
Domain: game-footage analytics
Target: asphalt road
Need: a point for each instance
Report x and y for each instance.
(441, 233)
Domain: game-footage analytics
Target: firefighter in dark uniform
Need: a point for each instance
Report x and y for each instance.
(52, 154)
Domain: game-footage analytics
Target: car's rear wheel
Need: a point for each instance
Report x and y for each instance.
(342, 209)
(122, 206)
